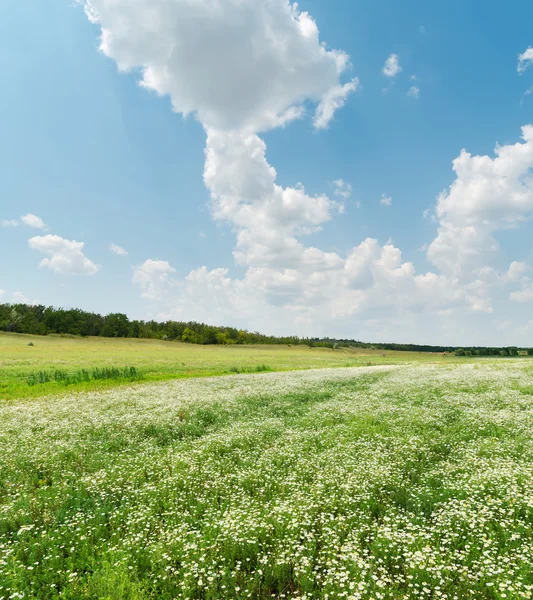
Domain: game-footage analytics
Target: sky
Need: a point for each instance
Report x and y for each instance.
(353, 168)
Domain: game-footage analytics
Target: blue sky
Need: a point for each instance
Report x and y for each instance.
(101, 159)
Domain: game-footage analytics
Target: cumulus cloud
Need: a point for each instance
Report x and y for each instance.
(525, 60)
(488, 194)
(239, 65)
(8, 223)
(33, 221)
(154, 278)
(265, 216)
(516, 271)
(116, 249)
(392, 66)
(385, 200)
(65, 257)
(243, 67)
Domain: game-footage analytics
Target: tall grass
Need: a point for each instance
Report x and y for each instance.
(84, 375)
(257, 369)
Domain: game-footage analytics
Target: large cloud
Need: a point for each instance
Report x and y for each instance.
(242, 67)
(235, 64)
(488, 194)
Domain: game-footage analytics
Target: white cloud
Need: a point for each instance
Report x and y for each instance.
(488, 194)
(422, 29)
(413, 92)
(392, 66)
(525, 295)
(332, 101)
(1, 293)
(115, 248)
(203, 235)
(65, 256)
(33, 221)
(527, 93)
(244, 193)
(244, 65)
(154, 278)
(242, 68)
(385, 200)
(8, 223)
(525, 60)
(342, 188)
(516, 271)
(19, 298)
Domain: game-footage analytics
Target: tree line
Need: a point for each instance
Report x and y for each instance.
(46, 320)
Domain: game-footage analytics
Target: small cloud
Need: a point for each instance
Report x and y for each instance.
(525, 60)
(523, 296)
(429, 213)
(414, 92)
(422, 30)
(64, 256)
(385, 200)
(516, 272)
(8, 223)
(332, 101)
(202, 235)
(357, 203)
(33, 221)
(413, 77)
(154, 278)
(504, 325)
(392, 66)
(19, 298)
(1, 293)
(118, 250)
(527, 93)
(342, 188)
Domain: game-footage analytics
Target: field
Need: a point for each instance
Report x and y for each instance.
(391, 481)
(28, 371)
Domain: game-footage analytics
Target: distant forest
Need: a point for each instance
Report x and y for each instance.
(45, 320)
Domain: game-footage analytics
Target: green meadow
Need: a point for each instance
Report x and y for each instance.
(402, 481)
(33, 366)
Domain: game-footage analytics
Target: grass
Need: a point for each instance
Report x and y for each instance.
(83, 376)
(21, 364)
(402, 482)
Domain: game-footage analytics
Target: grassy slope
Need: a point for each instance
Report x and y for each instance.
(157, 360)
